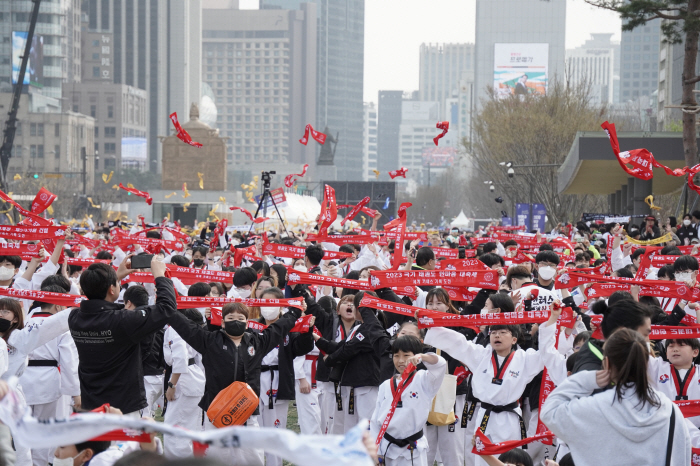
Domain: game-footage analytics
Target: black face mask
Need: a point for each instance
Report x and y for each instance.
(5, 325)
(235, 328)
(198, 262)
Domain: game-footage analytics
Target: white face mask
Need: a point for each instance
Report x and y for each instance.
(485, 312)
(6, 273)
(64, 461)
(301, 268)
(686, 222)
(270, 313)
(546, 273)
(684, 276)
(243, 293)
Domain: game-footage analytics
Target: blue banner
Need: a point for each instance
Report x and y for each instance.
(522, 214)
(539, 215)
(506, 221)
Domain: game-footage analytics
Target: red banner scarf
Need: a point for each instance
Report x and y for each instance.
(427, 319)
(123, 240)
(663, 332)
(400, 233)
(138, 193)
(218, 232)
(476, 278)
(239, 253)
(396, 391)
(250, 216)
(284, 250)
(485, 447)
(689, 408)
(460, 264)
(59, 299)
(344, 239)
(318, 136)
(389, 306)
(302, 325)
(188, 275)
(36, 220)
(507, 228)
(296, 276)
(370, 212)
(460, 293)
(43, 200)
(444, 126)
(446, 252)
(185, 302)
(400, 172)
(290, 179)
(571, 279)
(182, 135)
(25, 233)
(329, 211)
(85, 262)
(356, 210)
(19, 249)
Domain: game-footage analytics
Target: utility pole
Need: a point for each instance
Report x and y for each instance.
(83, 154)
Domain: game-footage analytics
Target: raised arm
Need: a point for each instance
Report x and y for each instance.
(457, 346)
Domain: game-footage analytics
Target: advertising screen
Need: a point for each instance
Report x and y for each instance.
(520, 69)
(35, 67)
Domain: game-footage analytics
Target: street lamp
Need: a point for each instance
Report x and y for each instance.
(511, 173)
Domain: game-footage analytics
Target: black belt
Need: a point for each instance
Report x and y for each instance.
(468, 411)
(509, 408)
(272, 379)
(404, 442)
(191, 362)
(42, 363)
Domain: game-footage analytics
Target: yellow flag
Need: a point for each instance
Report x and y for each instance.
(650, 202)
(49, 209)
(185, 191)
(107, 178)
(213, 211)
(201, 180)
(222, 199)
(17, 177)
(185, 206)
(114, 186)
(168, 196)
(376, 173)
(95, 206)
(129, 185)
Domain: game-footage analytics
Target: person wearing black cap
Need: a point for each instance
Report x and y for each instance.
(650, 230)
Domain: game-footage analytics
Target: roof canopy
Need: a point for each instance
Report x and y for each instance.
(460, 221)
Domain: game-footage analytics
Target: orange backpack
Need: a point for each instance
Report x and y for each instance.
(233, 405)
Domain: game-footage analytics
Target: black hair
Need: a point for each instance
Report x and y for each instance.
(201, 250)
(685, 263)
(510, 242)
(104, 255)
(347, 248)
(97, 447)
(261, 267)
(694, 343)
(513, 329)
(502, 301)
(424, 255)
(567, 460)
(624, 273)
(582, 337)
(328, 304)
(580, 257)
(219, 288)
(421, 331)
(149, 458)
(96, 280)
(281, 271)
(637, 252)
(547, 256)
(516, 456)
(352, 275)
(199, 289)
(407, 344)
(56, 280)
(670, 250)
(193, 314)
(570, 362)
(244, 276)
(181, 261)
(153, 234)
(623, 313)
(314, 253)
(137, 294)
(489, 247)
(695, 213)
(50, 289)
(16, 261)
(546, 247)
(666, 271)
(490, 259)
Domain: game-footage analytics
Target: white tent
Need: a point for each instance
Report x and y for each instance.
(461, 222)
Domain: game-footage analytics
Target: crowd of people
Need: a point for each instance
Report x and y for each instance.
(493, 346)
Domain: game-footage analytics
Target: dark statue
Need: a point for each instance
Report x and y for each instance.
(328, 149)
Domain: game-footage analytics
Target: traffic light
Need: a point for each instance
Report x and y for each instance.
(36, 175)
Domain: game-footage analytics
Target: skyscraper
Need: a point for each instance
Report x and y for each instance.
(388, 124)
(536, 27)
(441, 68)
(157, 47)
(594, 64)
(339, 83)
(640, 61)
(58, 29)
(261, 66)
(369, 158)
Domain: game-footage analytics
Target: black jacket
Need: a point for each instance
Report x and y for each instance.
(425, 287)
(220, 355)
(393, 320)
(108, 339)
(295, 344)
(380, 342)
(358, 354)
(686, 232)
(589, 357)
(152, 353)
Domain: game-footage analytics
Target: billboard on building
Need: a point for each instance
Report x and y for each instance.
(439, 156)
(520, 69)
(34, 74)
(134, 152)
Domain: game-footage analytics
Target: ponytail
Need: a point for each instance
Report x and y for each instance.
(627, 355)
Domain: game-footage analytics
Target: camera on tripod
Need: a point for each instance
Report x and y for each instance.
(267, 178)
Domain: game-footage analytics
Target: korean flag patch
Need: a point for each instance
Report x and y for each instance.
(360, 337)
(251, 351)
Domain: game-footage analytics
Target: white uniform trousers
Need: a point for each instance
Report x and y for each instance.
(234, 456)
(154, 394)
(184, 412)
(420, 458)
(448, 440)
(538, 451)
(501, 427)
(7, 453)
(326, 400)
(364, 403)
(275, 417)
(41, 456)
(337, 421)
(23, 456)
(469, 457)
(309, 410)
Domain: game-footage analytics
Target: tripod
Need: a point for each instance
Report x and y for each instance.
(267, 178)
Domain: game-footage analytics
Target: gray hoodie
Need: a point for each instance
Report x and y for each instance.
(601, 430)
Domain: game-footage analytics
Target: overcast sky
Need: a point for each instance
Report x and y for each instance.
(395, 29)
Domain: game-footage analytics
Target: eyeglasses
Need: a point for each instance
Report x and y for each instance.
(6, 312)
(501, 333)
(546, 264)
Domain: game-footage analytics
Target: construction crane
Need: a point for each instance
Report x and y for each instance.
(11, 123)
